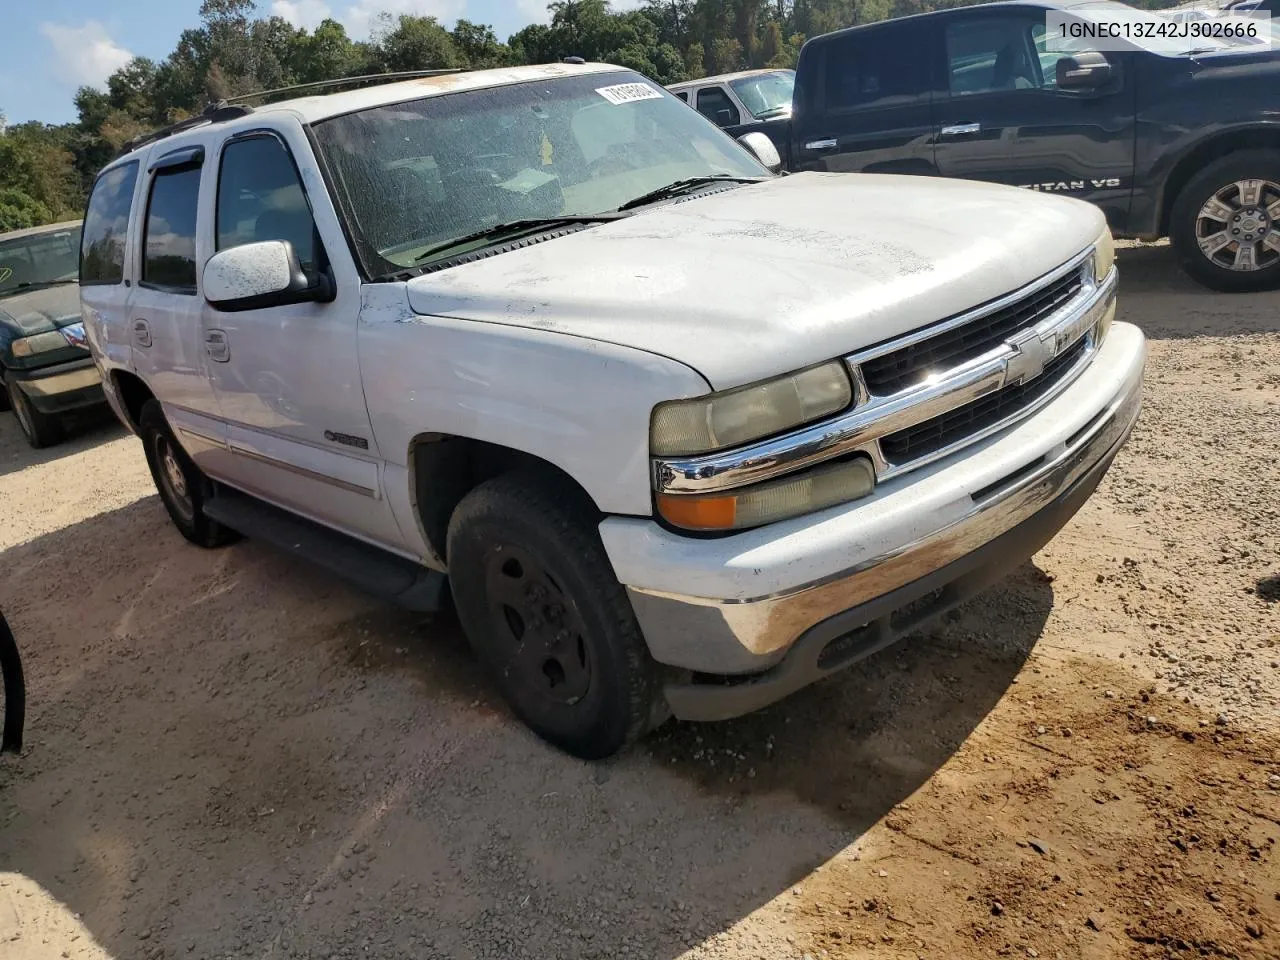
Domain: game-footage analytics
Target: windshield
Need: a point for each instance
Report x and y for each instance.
(766, 94)
(414, 175)
(39, 258)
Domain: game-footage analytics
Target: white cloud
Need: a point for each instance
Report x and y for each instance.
(85, 54)
(308, 14)
(361, 18)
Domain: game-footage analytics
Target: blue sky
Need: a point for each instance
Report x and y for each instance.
(48, 48)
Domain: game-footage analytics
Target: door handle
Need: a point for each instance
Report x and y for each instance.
(215, 344)
(961, 129)
(829, 143)
(142, 333)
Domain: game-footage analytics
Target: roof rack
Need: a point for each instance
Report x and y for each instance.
(343, 81)
(214, 113)
(233, 107)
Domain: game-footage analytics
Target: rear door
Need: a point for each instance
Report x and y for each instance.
(164, 308)
(865, 103)
(1002, 118)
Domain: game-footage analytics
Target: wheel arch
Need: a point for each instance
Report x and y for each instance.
(132, 392)
(444, 468)
(1205, 153)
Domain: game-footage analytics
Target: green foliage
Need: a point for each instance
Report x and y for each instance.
(45, 172)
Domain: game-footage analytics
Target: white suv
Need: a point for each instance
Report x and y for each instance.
(684, 435)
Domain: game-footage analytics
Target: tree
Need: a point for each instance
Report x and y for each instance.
(19, 211)
(479, 46)
(416, 43)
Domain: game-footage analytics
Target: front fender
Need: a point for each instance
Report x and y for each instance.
(579, 404)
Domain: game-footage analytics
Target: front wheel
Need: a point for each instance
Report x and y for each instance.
(183, 488)
(40, 429)
(1225, 224)
(540, 604)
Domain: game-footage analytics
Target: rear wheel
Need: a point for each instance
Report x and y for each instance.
(40, 429)
(1225, 225)
(540, 605)
(183, 488)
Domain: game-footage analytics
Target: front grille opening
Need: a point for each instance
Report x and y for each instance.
(918, 610)
(962, 423)
(912, 365)
(1008, 480)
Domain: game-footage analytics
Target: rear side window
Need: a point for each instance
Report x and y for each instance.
(715, 105)
(867, 69)
(169, 245)
(683, 95)
(260, 197)
(106, 224)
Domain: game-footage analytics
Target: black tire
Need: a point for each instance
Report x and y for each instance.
(1186, 227)
(40, 429)
(586, 683)
(183, 488)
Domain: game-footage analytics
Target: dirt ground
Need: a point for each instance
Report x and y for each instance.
(230, 755)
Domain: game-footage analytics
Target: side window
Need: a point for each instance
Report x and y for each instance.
(260, 197)
(106, 224)
(169, 244)
(683, 95)
(714, 104)
(992, 53)
(864, 69)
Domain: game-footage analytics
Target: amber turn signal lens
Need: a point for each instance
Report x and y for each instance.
(699, 513)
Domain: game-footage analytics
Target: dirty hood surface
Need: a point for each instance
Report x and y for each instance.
(41, 309)
(770, 277)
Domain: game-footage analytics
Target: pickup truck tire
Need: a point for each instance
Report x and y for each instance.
(182, 486)
(40, 429)
(1221, 228)
(542, 609)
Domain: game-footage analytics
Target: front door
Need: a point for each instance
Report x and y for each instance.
(1001, 117)
(869, 110)
(288, 377)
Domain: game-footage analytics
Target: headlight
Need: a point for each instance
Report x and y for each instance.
(40, 343)
(1104, 254)
(706, 424)
(753, 506)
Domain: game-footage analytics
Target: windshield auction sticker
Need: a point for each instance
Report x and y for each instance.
(1185, 31)
(628, 93)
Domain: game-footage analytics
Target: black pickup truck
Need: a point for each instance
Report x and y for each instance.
(1170, 137)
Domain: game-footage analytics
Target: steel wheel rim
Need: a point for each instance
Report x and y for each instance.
(1238, 227)
(173, 479)
(542, 646)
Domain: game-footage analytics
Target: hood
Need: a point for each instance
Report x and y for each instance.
(28, 312)
(770, 277)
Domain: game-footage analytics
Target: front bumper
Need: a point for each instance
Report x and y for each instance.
(61, 388)
(785, 605)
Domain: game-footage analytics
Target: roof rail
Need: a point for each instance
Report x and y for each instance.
(342, 81)
(233, 107)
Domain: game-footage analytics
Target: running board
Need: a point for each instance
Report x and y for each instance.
(372, 570)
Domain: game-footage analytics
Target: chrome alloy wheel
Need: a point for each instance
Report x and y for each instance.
(1238, 228)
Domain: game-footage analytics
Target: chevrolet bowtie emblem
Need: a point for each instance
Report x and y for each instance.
(1028, 360)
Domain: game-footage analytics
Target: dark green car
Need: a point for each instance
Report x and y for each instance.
(45, 367)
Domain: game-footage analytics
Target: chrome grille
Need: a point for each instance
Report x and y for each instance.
(905, 367)
(956, 425)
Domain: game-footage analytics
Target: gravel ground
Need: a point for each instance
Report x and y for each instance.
(229, 755)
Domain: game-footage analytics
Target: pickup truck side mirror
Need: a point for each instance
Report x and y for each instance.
(763, 148)
(257, 275)
(1084, 71)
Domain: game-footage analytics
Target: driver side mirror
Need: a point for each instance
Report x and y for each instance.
(1084, 71)
(257, 275)
(763, 148)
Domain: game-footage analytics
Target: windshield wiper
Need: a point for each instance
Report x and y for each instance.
(774, 111)
(684, 186)
(517, 226)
